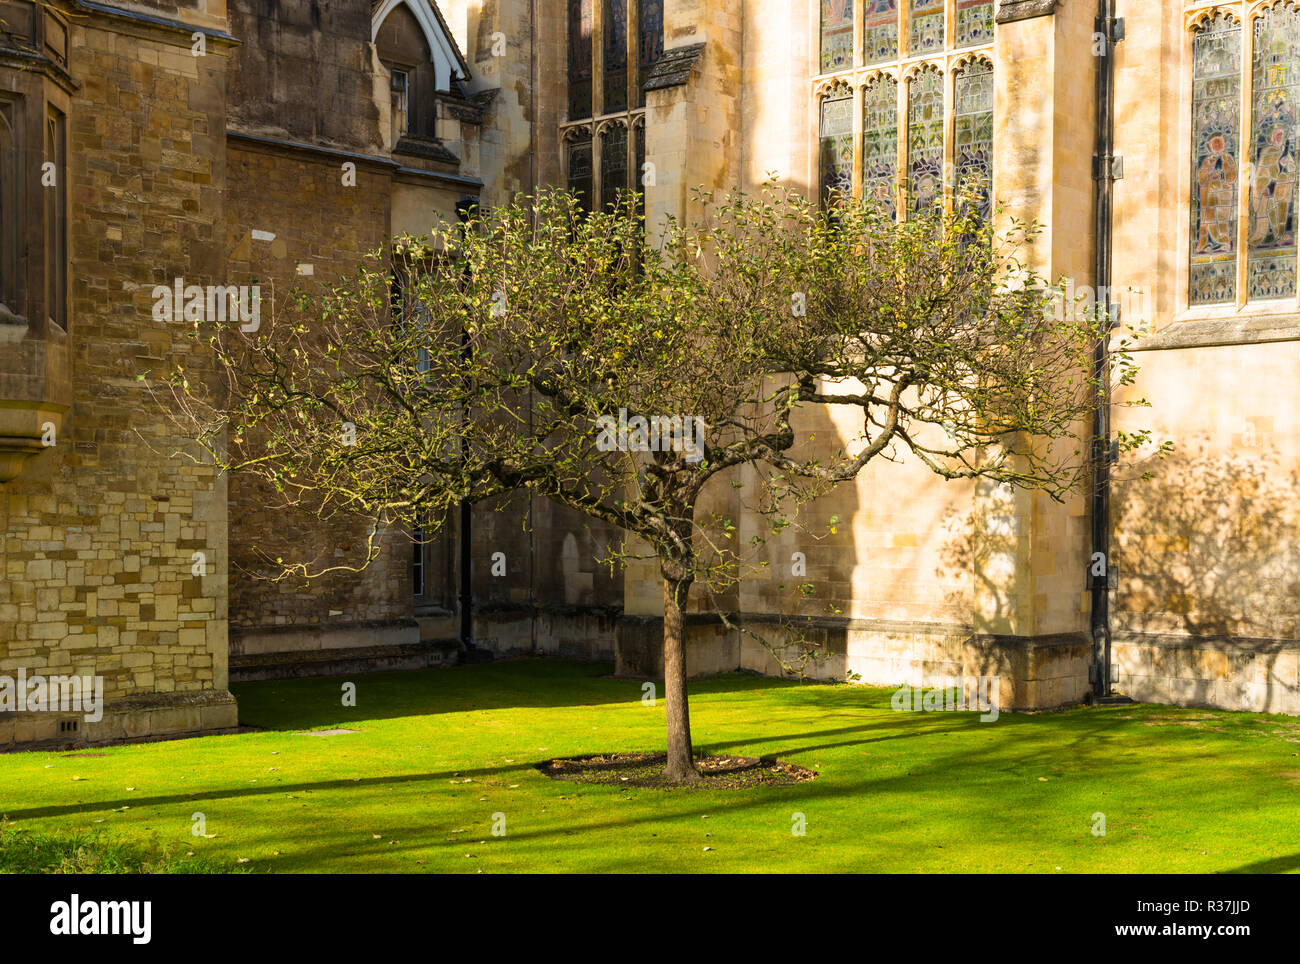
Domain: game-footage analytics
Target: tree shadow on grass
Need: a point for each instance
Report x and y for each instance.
(1277, 865)
(982, 792)
(1006, 820)
(314, 702)
(136, 801)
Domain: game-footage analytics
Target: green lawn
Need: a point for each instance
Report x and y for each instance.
(439, 752)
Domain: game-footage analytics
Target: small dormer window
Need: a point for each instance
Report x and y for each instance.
(400, 89)
(422, 63)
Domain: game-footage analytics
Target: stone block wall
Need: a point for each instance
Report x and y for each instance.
(101, 529)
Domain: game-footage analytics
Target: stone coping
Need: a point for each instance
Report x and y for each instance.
(1222, 332)
(1255, 645)
(1013, 10)
(674, 67)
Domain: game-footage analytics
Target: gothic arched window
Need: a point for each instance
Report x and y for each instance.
(579, 161)
(925, 140)
(973, 132)
(56, 217)
(638, 167)
(1275, 84)
(10, 288)
(880, 143)
(920, 138)
(615, 47)
(605, 172)
(1216, 154)
(580, 27)
(836, 35)
(613, 164)
(837, 142)
(650, 23)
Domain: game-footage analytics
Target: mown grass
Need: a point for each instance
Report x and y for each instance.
(441, 757)
(80, 852)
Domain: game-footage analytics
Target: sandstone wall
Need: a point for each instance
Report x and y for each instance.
(100, 531)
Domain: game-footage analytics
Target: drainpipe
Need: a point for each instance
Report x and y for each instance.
(463, 209)
(533, 133)
(1106, 170)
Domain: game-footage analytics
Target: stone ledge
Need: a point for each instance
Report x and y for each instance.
(1013, 10)
(154, 717)
(1222, 332)
(1036, 673)
(810, 622)
(507, 609)
(429, 148)
(1246, 674)
(180, 31)
(338, 662)
(1253, 645)
(308, 638)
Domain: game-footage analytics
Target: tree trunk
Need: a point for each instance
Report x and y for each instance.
(681, 759)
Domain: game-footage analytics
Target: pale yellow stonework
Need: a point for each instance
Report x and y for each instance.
(916, 579)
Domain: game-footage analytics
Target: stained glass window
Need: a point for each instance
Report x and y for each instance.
(880, 144)
(880, 31)
(580, 26)
(926, 33)
(613, 164)
(837, 34)
(837, 143)
(973, 133)
(652, 38)
(638, 172)
(615, 68)
(1216, 106)
(974, 22)
(925, 140)
(1271, 237)
(580, 170)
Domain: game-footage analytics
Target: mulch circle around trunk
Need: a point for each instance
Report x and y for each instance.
(647, 770)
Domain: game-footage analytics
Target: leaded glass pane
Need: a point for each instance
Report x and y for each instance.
(652, 39)
(615, 66)
(580, 26)
(927, 26)
(974, 22)
(837, 144)
(1216, 106)
(880, 30)
(880, 144)
(1271, 263)
(837, 34)
(638, 172)
(613, 164)
(925, 140)
(973, 131)
(580, 171)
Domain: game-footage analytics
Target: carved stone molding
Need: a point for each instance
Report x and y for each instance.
(1013, 10)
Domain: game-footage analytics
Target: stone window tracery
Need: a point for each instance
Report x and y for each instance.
(918, 91)
(612, 47)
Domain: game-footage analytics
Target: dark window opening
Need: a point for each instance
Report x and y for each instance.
(54, 183)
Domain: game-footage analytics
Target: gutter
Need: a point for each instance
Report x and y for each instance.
(1106, 170)
(175, 27)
